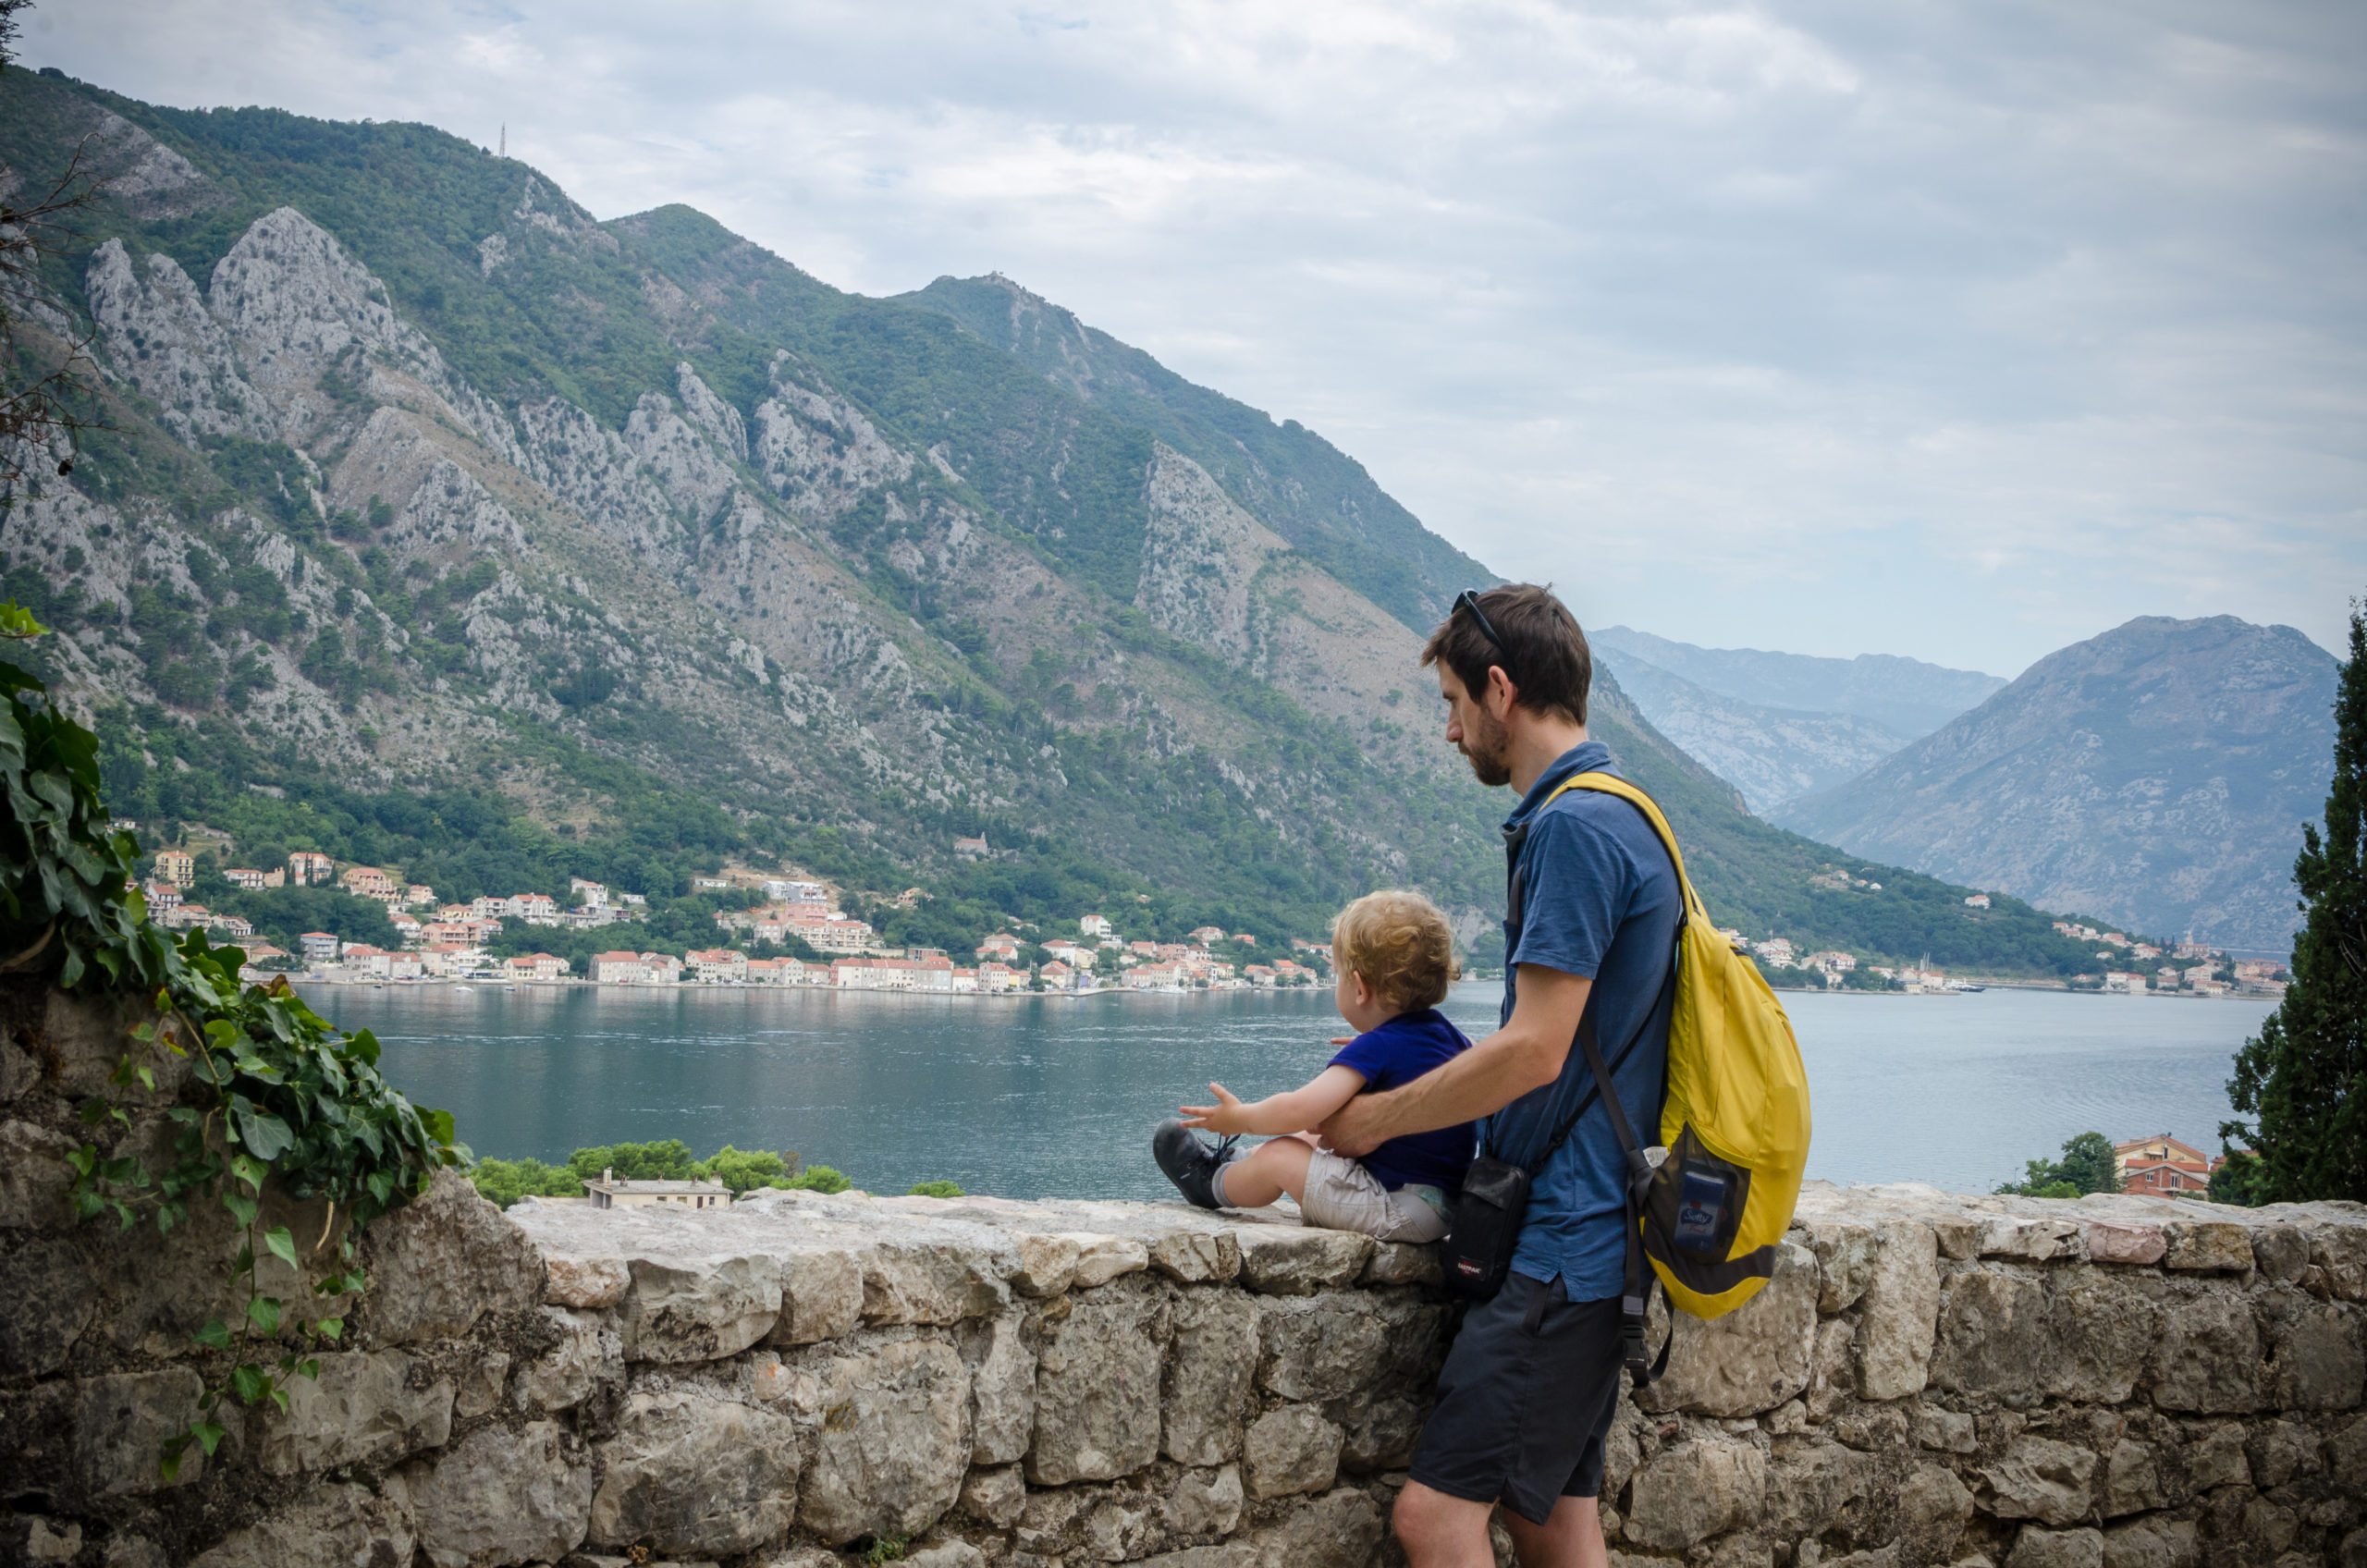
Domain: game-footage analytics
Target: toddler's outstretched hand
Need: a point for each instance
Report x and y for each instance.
(1222, 1117)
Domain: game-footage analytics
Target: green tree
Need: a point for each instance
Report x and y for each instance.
(668, 1160)
(2303, 1079)
(2237, 1180)
(2085, 1167)
(742, 1171)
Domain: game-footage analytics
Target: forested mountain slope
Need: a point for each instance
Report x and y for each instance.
(436, 524)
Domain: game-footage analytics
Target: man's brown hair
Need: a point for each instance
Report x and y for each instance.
(1541, 650)
(1401, 945)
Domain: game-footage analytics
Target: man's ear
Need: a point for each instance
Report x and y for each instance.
(1502, 694)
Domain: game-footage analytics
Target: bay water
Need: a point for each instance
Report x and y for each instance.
(1038, 1096)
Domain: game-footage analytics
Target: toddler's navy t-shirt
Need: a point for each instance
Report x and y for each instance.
(1398, 1053)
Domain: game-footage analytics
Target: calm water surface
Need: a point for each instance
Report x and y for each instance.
(1032, 1096)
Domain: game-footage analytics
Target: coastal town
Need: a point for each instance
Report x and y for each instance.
(762, 944)
(790, 930)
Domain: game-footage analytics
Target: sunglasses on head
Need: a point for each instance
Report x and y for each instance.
(1469, 600)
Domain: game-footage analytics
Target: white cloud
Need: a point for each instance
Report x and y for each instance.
(1960, 330)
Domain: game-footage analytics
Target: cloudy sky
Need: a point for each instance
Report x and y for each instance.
(1960, 330)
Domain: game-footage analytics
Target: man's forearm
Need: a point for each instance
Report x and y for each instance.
(1480, 1082)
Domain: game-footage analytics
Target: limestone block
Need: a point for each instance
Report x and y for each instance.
(441, 1262)
(1994, 1333)
(1205, 1503)
(1047, 1265)
(1098, 1384)
(1235, 1554)
(1291, 1449)
(120, 1424)
(1285, 1261)
(331, 1527)
(1958, 1235)
(2027, 1240)
(2281, 1451)
(1830, 1375)
(1382, 1434)
(2347, 1456)
(2207, 1246)
(1402, 1263)
(1872, 1430)
(2102, 1326)
(1946, 1430)
(686, 1308)
(2115, 1241)
(2316, 1360)
(2280, 1252)
(477, 1389)
(361, 1410)
(1125, 1523)
(1197, 1257)
(1207, 1385)
(2339, 1252)
(821, 1295)
(1342, 1342)
(584, 1281)
(1845, 1261)
(1101, 1258)
(689, 1473)
(889, 1420)
(1340, 1529)
(995, 1497)
(45, 1302)
(34, 1177)
(2040, 1478)
(1900, 1312)
(928, 1281)
(31, 1538)
(1933, 1508)
(946, 1554)
(2218, 1461)
(2209, 1358)
(2151, 1543)
(590, 1354)
(1695, 1491)
(1755, 1357)
(1319, 1347)
(502, 1496)
(1002, 1387)
(2035, 1548)
(2133, 1482)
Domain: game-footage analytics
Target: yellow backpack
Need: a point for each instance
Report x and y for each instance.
(1734, 1122)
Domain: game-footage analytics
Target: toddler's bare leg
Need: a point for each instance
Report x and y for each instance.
(1266, 1172)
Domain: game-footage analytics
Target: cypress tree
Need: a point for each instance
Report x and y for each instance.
(2304, 1079)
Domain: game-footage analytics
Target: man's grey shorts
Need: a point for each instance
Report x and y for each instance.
(1526, 1401)
(1343, 1194)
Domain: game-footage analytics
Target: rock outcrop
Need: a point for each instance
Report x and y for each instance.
(1928, 1379)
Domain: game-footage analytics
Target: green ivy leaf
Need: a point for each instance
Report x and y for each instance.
(330, 1328)
(248, 1382)
(282, 1245)
(242, 1208)
(215, 1335)
(264, 1313)
(208, 1435)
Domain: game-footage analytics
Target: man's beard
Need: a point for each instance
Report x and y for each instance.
(1486, 746)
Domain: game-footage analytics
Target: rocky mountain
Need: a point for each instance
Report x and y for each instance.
(1905, 696)
(434, 523)
(2158, 776)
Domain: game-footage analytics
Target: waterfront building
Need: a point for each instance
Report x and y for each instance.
(609, 1193)
(175, 866)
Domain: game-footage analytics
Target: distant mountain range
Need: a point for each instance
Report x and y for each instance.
(1778, 726)
(2157, 775)
(1906, 696)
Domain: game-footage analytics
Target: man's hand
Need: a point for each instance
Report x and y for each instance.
(1357, 1128)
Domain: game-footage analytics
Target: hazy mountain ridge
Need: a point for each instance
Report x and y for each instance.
(2157, 775)
(1904, 695)
(1771, 754)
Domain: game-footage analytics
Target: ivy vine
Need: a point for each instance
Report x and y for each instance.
(275, 1093)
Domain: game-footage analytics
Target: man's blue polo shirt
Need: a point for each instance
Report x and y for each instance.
(1601, 902)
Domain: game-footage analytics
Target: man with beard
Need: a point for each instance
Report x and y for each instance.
(1527, 1393)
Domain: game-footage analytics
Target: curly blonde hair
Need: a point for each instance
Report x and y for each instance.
(1399, 942)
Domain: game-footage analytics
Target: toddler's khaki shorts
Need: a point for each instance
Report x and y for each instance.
(1342, 1194)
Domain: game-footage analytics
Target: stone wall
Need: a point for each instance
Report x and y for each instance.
(807, 1380)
